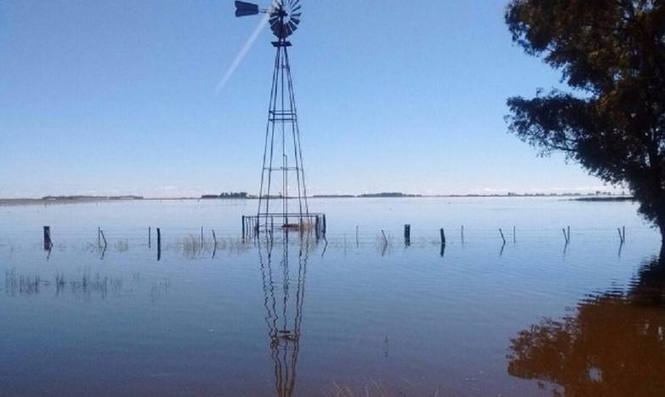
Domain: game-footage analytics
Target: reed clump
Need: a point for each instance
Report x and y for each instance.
(193, 246)
(23, 284)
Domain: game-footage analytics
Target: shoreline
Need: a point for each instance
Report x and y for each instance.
(10, 202)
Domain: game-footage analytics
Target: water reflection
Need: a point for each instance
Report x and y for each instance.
(614, 344)
(284, 294)
(84, 285)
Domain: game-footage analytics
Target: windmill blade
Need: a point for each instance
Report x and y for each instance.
(244, 9)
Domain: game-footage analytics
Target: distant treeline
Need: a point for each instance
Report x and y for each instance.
(389, 194)
(590, 196)
(617, 198)
(229, 195)
(245, 195)
(597, 196)
(81, 198)
(367, 195)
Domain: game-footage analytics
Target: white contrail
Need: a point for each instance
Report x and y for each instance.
(243, 52)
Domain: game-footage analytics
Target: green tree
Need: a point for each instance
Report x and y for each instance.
(612, 120)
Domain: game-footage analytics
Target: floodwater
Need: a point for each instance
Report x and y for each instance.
(356, 315)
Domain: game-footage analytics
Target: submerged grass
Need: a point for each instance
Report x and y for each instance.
(84, 284)
(373, 388)
(193, 246)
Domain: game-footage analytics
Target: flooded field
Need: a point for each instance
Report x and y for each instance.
(356, 314)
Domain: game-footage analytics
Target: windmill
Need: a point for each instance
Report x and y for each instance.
(279, 205)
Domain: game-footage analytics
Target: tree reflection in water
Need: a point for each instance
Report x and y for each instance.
(614, 345)
(284, 293)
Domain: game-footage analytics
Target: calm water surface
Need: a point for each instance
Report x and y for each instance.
(352, 316)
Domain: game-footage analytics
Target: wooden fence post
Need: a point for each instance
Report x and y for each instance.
(103, 238)
(159, 244)
(48, 244)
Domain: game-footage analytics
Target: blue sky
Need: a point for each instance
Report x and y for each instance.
(120, 97)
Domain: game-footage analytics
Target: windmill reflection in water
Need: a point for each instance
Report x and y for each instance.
(283, 272)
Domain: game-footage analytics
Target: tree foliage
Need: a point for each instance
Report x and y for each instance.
(612, 55)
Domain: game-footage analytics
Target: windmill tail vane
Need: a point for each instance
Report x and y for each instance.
(244, 9)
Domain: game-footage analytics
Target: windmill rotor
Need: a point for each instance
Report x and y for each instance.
(284, 15)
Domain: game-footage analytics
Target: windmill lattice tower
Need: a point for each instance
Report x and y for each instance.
(280, 204)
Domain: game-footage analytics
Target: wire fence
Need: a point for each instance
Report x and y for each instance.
(205, 241)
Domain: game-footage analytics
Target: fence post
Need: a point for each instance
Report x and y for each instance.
(48, 244)
(159, 244)
(103, 238)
